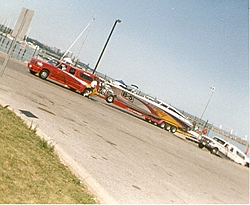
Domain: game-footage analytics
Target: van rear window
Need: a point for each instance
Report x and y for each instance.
(86, 77)
(240, 155)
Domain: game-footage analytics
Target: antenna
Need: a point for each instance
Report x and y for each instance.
(77, 38)
(84, 39)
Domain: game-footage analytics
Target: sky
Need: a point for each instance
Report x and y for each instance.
(175, 50)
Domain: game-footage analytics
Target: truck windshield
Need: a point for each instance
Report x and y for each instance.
(54, 62)
(219, 140)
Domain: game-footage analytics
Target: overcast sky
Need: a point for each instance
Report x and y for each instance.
(174, 50)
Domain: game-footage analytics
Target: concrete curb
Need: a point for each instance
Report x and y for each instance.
(95, 188)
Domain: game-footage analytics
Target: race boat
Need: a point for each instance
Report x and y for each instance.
(152, 109)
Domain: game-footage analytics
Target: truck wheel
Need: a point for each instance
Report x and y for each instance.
(72, 89)
(32, 72)
(200, 145)
(44, 74)
(173, 129)
(110, 98)
(214, 150)
(86, 92)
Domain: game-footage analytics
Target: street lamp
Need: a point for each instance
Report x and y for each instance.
(117, 21)
(213, 89)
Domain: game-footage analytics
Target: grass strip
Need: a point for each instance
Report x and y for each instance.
(30, 171)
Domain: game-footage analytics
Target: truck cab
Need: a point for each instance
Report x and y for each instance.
(219, 145)
(74, 78)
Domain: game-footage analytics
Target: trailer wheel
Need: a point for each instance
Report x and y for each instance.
(162, 125)
(167, 127)
(110, 98)
(148, 120)
(173, 129)
(44, 74)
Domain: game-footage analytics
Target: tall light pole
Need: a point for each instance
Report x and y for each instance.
(117, 21)
(213, 89)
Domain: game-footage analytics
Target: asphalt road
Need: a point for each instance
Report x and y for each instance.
(135, 162)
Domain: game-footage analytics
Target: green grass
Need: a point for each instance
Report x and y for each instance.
(30, 172)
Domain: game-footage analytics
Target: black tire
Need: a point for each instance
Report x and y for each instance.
(32, 72)
(162, 125)
(72, 89)
(214, 151)
(149, 121)
(167, 127)
(44, 74)
(86, 92)
(173, 129)
(200, 145)
(110, 98)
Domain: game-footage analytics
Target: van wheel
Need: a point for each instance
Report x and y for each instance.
(86, 92)
(214, 150)
(44, 74)
(173, 129)
(110, 98)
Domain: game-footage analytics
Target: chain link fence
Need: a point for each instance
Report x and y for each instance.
(22, 50)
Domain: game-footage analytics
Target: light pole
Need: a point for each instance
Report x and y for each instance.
(213, 89)
(117, 21)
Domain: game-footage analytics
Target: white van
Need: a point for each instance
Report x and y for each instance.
(235, 154)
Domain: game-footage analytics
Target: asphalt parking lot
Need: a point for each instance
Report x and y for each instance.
(129, 160)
